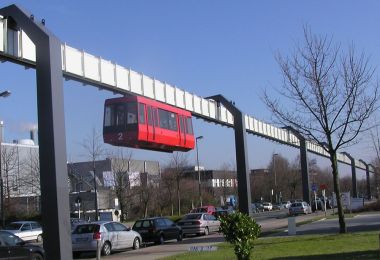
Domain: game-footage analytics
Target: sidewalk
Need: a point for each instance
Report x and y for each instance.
(271, 226)
(359, 223)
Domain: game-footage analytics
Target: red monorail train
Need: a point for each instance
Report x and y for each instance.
(138, 122)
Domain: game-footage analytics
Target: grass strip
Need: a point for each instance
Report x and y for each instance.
(362, 245)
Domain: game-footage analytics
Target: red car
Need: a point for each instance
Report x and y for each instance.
(204, 209)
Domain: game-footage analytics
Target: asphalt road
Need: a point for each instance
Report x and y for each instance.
(269, 221)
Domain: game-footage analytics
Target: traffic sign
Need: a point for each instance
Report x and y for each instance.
(314, 187)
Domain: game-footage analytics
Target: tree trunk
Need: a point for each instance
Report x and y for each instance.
(122, 208)
(334, 167)
(145, 210)
(179, 198)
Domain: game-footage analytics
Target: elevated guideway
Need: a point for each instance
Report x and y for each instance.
(16, 46)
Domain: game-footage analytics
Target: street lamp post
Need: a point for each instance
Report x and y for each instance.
(199, 172)
(2, 94)
(275, 176)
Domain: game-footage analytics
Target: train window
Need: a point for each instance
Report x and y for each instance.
(120, 115)
(155, 116)
(150, 119)
(181, 124)
(108, 116)
(131, 113)
(141, 113)
(189, 126)
(168, 120)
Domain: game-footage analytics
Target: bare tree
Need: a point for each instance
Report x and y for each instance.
(333, 93)
(168, 182)
(94, 149)
(9, 164)
(31, 166)
(177, 164)
(120, 163)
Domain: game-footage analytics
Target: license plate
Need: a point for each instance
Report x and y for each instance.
(188, 223)
(82, 239)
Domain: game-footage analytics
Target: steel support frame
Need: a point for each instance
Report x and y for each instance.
(242, 168)
(368, 183)
(51, 134)
(353, 174)
(304, 164)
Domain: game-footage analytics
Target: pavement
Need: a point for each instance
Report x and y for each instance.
(359, 223)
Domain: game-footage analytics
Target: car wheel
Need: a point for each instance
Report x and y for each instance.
(136, 243)
(36, 256)
(106, 250)
(179, 237)
(206, 231)
(160, 240)
(39, 238)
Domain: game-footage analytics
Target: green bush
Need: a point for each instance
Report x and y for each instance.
(240, 230)
(175, 218)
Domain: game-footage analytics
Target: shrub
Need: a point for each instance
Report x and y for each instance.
(240, 230)
(175, 218)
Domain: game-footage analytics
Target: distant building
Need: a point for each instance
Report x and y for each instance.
(21, 177)
(82, 188)
(221, 184)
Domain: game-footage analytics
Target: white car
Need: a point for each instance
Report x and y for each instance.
(26, 230)
(286, 205)
(267, 206)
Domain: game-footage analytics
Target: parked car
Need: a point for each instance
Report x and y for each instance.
(26, 230)
(276, 206)
(112, 235)
(267, 206)
(199, 223)
(286, 205)
(299, 208)
(13, 247)
(75, 222)
(205, 209)
(254, 208)
(222, 212)
(320, 205)
(157, 230)
(259, 206)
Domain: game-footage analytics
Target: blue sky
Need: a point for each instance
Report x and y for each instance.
(204, 47)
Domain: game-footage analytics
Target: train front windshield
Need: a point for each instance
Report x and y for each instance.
(120, 116)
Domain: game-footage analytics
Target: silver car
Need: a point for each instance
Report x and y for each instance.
(26, 230)
(299, 208)
(111, 236)
(199, 223)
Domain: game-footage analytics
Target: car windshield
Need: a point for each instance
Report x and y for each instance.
(10, 239)
(298, 204)
(192, 216)
(14, 226)
(84, 229)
